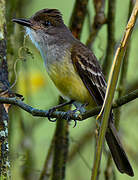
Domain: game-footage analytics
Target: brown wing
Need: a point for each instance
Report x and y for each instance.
(88, 68)
(91, 74)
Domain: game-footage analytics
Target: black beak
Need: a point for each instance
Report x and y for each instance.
(23, 22)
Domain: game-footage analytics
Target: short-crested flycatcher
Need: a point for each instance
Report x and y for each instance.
(74, 70)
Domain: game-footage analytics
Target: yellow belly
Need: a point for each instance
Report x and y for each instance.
(69, 83)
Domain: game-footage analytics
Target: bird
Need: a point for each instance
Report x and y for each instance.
(75, 71)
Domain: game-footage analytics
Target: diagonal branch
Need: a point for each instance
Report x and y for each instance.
(64, 115)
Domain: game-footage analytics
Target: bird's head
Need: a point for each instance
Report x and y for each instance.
(44, 26)
(44, 19)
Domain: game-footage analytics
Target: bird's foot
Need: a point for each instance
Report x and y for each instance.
(71, 112)
(50, 112)
(68, 116)
(53, 109)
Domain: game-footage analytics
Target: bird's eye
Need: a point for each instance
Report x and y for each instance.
(47, 23)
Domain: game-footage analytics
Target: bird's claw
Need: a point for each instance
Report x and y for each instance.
(50, 111)
(68, 116)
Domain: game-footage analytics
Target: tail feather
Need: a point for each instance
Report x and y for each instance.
(117, 151)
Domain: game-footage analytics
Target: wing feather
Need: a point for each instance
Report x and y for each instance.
(88, 68)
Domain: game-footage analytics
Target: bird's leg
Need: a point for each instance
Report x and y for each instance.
(81, 107)
(50, 111)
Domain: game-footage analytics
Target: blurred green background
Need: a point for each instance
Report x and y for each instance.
(34, 84)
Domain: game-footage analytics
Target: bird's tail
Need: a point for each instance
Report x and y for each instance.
(117, 151)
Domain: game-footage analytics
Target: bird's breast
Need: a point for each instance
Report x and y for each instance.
(68, 82)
